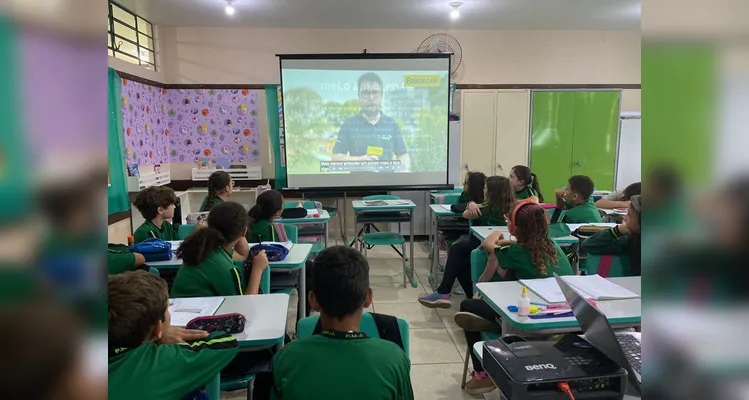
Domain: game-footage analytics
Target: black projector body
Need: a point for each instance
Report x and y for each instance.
(531, 370)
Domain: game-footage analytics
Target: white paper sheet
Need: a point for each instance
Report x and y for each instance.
(590, 286)
(185, 309)
(312, 211)
(446, 207)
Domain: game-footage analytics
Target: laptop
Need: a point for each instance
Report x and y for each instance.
(622, 348)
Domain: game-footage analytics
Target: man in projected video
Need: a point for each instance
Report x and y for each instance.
(371, 135)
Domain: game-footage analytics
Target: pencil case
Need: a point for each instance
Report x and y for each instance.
(274, 252)
(153, 250)
(229, 323)
(589, 230)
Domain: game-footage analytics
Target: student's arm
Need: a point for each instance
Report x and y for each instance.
(473, 211)
(139, 260)
(604, 203)
(404, 381)
(611, 241)
(492, 265)
(259, 264)
(193, 365)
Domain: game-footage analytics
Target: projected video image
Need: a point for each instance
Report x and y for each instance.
(360, 121)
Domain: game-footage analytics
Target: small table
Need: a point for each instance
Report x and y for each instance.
(323, 219)
(266, 316)
(438, 212)
(500, 295)
(478, 350)
(408, 206)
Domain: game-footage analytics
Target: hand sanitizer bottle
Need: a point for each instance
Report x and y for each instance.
(524, 304)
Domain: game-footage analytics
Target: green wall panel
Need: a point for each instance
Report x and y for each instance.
(596, 128)
(552, 133)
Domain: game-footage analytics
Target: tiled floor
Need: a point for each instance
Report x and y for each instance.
(437, 344)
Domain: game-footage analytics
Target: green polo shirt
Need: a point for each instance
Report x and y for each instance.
(119, 260)
(518, 258)
(463, 199)
(322, 367)
(169, 371)
(490, 218)
(526, 193)
(148, 230)
(216, 201)
(216, 276)
(582, 213)
(262, 231)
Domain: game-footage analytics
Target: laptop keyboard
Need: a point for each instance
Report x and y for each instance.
(631, 347)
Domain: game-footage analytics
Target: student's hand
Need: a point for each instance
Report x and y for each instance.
(260, 261)
(181, 335)
(624, 229)
(474, 211)
(201, 224)
(559, 193)
(495, 237)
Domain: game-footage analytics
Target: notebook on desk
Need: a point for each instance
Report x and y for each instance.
(590, 286)
(183, 310)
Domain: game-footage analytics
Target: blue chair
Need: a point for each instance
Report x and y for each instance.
(185, 230)
(306, 326)
(392, 239)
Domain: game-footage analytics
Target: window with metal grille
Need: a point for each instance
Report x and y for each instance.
(130, 37)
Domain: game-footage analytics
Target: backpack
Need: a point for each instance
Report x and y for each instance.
(387, 328)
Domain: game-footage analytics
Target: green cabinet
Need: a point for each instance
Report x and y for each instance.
(574, 133)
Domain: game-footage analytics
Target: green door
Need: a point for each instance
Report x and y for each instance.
(596, 131)
(552, 135)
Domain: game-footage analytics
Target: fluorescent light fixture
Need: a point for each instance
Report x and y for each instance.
(229, 9)
(455, 13)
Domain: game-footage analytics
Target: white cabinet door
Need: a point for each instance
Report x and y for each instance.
(477, 131)
(512, 130)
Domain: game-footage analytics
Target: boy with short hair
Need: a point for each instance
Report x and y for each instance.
(341, 362)
(577, 200)
(156, 204)
(148, 359)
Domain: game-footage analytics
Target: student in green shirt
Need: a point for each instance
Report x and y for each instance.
(577, 200)
(473, 188)
(533, 255)
(620, 198)
(268, 206)
(525, 184)
(148, 358)
(341, 362)
(499, 199)
(220, 187)
(621, 240)
(208, 268)
(156, 204)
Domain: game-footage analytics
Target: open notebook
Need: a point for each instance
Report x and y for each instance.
(590, 286)
(183, 310)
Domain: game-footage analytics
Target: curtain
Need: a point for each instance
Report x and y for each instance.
(274, 129)
(117, 193)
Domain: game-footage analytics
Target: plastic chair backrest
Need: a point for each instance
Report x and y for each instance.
(264, 278)
(292, 232)
(618, 267)
(307, 204)
(306, 326)
(213, 388)
(381, 197)
(478, 265)
(185, 230)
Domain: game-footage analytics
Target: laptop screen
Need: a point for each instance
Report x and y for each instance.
(597, 330)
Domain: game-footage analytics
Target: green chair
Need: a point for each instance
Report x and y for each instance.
(264, 277)
(392, 239)
(306, 326)
(185, 230)
(608, 266)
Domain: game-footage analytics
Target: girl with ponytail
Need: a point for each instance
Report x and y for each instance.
(525, 184)
(220, 187)
(208, 268)
(268, 207)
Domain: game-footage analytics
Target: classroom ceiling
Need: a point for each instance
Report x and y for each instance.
(395, 14)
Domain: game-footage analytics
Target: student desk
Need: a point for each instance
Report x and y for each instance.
(408, 207)
(437, 197)
(478, 350)
(438, 212)
(500, 295)
(323, 219)
(266, 319)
